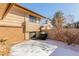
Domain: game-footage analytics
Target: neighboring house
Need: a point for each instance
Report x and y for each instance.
(47, 26)
(73, 25)
(76, 24)
(17, 22)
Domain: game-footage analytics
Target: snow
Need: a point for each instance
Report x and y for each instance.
(44, 48)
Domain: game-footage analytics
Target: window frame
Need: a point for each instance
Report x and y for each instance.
(32, 19)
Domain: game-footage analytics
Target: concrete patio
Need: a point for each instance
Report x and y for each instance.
(44, 48)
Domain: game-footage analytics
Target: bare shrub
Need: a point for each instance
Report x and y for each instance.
(76, 38)
(70, 37)
(66, 36)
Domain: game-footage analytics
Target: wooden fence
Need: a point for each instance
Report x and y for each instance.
(56, 35)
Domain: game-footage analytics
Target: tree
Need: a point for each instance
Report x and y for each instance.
(58, 19)
(69, 21)
(57, 22)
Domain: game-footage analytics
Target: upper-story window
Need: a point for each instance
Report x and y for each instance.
(32, 19)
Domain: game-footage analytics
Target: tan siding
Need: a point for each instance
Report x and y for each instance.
(10, 21)
(27, 36)
(15, 17)
(2, 8)
(13, 35)
(32, 27)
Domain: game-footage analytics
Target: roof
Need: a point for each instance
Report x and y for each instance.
(29, 10)
(10, 5)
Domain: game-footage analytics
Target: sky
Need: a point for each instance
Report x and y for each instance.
(49, 9)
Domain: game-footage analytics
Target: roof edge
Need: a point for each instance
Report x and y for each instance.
(29, 10)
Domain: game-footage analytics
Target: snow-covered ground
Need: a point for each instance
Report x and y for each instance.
(44, 48)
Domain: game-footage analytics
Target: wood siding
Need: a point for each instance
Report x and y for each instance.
(11, 26)
(12, 34)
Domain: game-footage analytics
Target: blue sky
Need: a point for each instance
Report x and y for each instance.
(49, 9)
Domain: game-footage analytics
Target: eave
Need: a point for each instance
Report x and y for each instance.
(9, 6)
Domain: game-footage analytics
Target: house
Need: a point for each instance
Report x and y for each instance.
(75, 24)
(47, 26)
(17, 23)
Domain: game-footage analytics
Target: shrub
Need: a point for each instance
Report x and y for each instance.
(70, 37)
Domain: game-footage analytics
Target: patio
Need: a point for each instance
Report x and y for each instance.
(44, 48)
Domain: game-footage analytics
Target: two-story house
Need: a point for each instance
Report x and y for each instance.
(17, 23)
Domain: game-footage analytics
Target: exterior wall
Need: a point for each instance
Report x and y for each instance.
(27, 35)
(7, 29)
(2, 9)
(14, 18)
(12, 34)
(11, 26)
(32, 27)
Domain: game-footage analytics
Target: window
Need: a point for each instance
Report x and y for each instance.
(32, 19)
